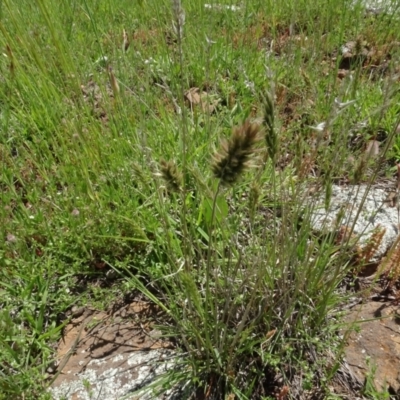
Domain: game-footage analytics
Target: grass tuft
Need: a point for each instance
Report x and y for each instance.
(249, 290)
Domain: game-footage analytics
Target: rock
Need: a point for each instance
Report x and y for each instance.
(377, 7)
(378, 209)
(106, 357)
(375, 345)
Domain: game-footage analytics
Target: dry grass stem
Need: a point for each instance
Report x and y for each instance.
(113, 82)
(344, 235)
(125, 41)
(234, 155)
(365, 254)
(392, 263)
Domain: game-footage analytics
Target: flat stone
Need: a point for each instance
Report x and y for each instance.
(375, 345)
(378, 6)
(379, 209)
(106, 357)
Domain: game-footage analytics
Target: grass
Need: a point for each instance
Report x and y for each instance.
(108, 165)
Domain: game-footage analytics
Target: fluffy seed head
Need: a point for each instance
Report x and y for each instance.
(171, 175)
(234, 154)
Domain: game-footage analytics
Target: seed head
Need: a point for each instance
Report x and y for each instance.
(113, 82)
(125, 41)
(271, 137)
(234, 154)
(171, 175)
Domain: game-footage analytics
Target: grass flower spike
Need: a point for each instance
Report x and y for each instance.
(171, 175)
(234, 155)
(271, 136)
